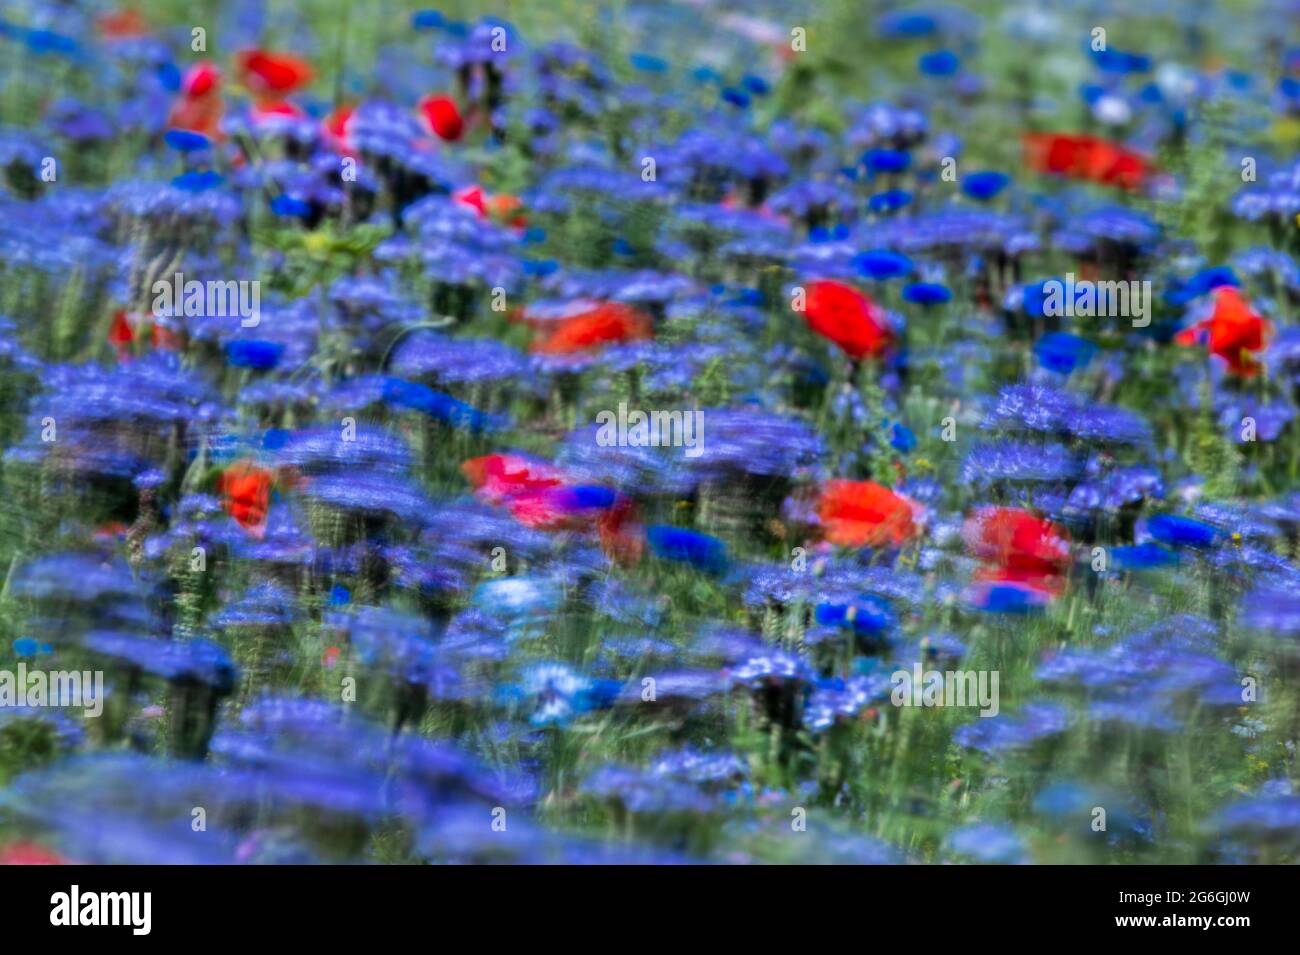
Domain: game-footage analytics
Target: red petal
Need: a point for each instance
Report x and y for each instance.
(200, 79)
(121, 332)
(266, 72)
(443, 116)
(847, 317)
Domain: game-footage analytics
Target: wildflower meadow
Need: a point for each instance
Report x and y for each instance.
(653, 431)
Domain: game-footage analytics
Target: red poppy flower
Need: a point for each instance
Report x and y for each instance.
(272, 74)
(542, 497)
(113, 530)
(336, 126)
(605, 324)
(471, 197)
(200, 80)
(199, 116)
(526, 487)
(845, 316)
(120, 334)
(122, 24)
(1085, 157)
(621, 534)
(1018, 546)
(443, 116)
(246, 495)
(502, 207)
(506, 208)
(199, 106)
(498, 477)
(29, 853)
(1232, 332)
(165, 338)
(276, 109)
(864, 514)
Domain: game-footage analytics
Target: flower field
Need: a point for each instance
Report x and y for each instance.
(649, 432)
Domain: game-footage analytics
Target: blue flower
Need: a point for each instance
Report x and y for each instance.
(1111, 60)
(291, 207)
(989, 843)
(251, 353)
(1178, 531)
(889, 201)
(1202, 283)
(927, 293)
(683, 546)
(882, 264)
(556, 694)
(939, 63)
(984, 185)
(198, 181)
(180, 661)
(867, 615)
(1007, 731)
(886, 160)
(901, 438)
(647, 63)
(1064, 353)
(31, 647)
(413, 396)
(185, 141)
(1142, 557)
(736, 97)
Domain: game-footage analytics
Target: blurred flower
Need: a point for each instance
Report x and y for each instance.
(604, 324)
(246, 495)
(864, 514)
(843, 315)
(271, 75)
(989, 843)
(1081, 156)
(1232, 332)
(443, 117)
(1019, 548)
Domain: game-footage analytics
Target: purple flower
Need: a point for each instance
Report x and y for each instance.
(458, 360)
(1018, 462)
(177, 661)
(999, 734)
(989, 843)
(268, 604)
(640, 791)
(844, 700)
(374, 494)
(1272, 611)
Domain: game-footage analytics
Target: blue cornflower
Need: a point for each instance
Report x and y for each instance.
(679, 545)
(939, 63)
(882, 264)
(984, 185)
(1178, 531)
(927, 293)
(251, 353)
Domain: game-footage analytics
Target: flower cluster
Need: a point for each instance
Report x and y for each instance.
(504, 450)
